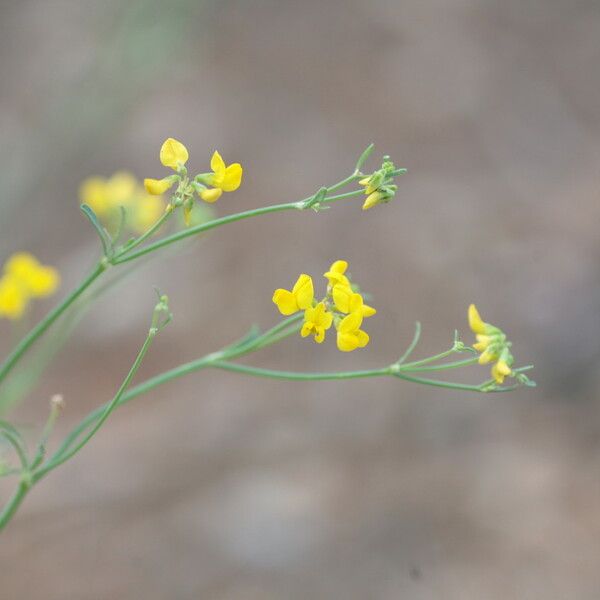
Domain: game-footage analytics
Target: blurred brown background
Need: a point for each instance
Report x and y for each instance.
(219, 486)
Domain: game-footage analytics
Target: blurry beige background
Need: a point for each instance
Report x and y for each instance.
(219, 486)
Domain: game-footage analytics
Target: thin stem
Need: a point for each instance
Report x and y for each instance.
(269, 337)
(331, 199)
(436, 383)
(298, 376)
(14, 442)
(43, 325)
(430, 359)
(344, 182)
(13, 504)
(412, 345)
(52, 464)
(142, 238)
(451, 365)
(180, 235)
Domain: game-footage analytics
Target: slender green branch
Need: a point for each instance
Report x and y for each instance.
(45, 323)
(52, 464)
(412, 345)
(437, 383)
(185, 233)
(451, 365)
(18, 448)
(147, 234)
(298, 376)
(13, 504)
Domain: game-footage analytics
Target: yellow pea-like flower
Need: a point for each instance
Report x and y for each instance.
(226, 178)
(349, 334)
(316, 321)
(347, 301)
(13, 298)
(476, 323)
(500, 370)
(335, 274)
(173, 154)
(36, 279)
(493, 345)
(300, 298)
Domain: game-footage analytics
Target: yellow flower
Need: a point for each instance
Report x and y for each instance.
(300, 298)
(13, 298)
(475, 321)
(106, 197)
(347, 301)
(226, 178)
(349, 334)
(316, 321)
(173, 154)
(223, 178)
(492, 343)
(501, 370)
(35, 279)
(335, 275)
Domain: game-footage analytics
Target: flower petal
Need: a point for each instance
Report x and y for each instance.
(285, 301)
(211, 195)
(319, 335)
(303, 291)
(232, 178)
(475, 322)
(173, 153)
(156, 187)
(350, 323)
(346, 342)
(362, 338)
(217, 164)
(342, 297)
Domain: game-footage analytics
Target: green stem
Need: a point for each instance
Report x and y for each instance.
(430, 359)
(436, 383)
(14, 442)
(451, 365)
(13, 504)
(185, 233)
(58, 460)
(142, 238)
(267, 338)
(43, 325)
(298, 376)
(331, 199)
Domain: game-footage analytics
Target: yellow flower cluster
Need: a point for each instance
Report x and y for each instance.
(23, 279)
(106, 197)
(209, 186)
(379, 186)
(493, 345)
(342, 307)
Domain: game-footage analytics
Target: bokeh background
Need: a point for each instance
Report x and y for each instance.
(220, 486)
